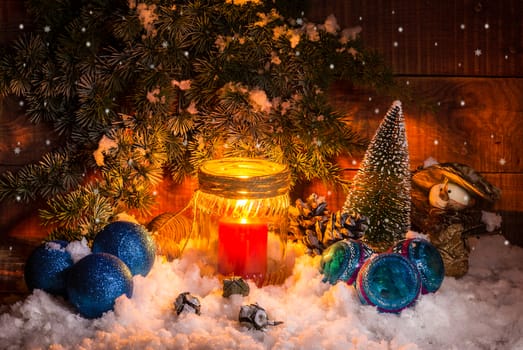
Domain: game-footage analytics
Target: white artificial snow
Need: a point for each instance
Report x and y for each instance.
(147, 15)
(259, 101)
(430, 162)
(54, 246)
(104, 145)
(491, 220)
(78, 249)
(482, 310)
(331, 25)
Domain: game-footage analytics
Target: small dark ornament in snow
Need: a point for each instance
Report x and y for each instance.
(235, 285)
(186, 302)
(254, 316)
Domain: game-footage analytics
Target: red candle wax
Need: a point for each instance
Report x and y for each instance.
(242, 247)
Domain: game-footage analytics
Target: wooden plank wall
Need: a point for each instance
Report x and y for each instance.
(12, 14)
(464, 56)
(420, 37)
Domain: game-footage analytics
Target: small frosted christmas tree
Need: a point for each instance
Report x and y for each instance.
(381, 188)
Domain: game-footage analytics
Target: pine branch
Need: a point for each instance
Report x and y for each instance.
(172, 84)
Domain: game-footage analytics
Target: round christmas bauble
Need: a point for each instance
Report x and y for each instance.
(388, 281)
(96, 281)
(130, 242)
(47, 266)
(342, 260)
(427, 260)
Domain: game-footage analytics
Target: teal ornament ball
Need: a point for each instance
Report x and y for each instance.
(427, 259)
(47, 267)
(130, 242)
(388, 281)
(96, 281)
(342, 260)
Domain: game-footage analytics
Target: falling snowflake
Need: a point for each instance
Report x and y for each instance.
(477, 52)
(502, 161)
(17, 150)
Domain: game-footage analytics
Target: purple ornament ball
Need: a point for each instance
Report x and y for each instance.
(427, 259)
(388, 281)
(47, 267)
(130, 242)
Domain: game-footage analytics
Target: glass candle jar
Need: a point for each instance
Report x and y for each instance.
(240, 204)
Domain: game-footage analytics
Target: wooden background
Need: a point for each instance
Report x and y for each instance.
(464, 56)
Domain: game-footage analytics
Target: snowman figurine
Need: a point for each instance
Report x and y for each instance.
(449, 196)
(447, 204)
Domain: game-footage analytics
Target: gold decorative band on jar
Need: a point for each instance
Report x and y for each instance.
(243, 187)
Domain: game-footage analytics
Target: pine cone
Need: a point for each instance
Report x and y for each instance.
(315, 226)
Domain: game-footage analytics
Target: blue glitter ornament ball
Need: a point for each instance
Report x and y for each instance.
(427, 260)
(342, 260)
(130, 242)
(96, 281)
(388, 281)
(47, 266)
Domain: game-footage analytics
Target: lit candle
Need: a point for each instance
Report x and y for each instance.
(242, 247)
(238, 199)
